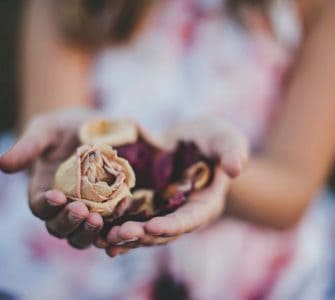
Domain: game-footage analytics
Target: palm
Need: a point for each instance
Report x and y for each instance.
(47, 141)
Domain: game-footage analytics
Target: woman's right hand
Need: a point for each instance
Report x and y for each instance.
(46, 142)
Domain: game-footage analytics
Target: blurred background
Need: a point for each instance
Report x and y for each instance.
(39, 245)
(10, 12)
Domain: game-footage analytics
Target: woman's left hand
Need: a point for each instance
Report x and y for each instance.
(215, 139)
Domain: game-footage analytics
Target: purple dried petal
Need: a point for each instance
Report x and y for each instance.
(155, 170)
(165, 206)
(162, 169)
(186, 154)
(140, 156)
(176, 201)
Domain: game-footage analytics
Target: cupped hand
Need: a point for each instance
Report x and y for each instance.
(45, 143)
(217, 139)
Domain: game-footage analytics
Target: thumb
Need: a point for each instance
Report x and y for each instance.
(36, 140)
(233, 150)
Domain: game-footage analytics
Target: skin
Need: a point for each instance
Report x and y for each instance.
(275, 188)
(299, 151)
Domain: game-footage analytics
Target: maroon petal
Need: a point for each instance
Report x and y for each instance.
(186, 154)
(140, 156)
(175, 202)
(155, 170)
(162, 169)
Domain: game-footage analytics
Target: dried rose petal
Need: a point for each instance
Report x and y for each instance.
(162, 169)
(140, 157)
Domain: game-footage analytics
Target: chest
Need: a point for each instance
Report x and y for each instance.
(189, 65)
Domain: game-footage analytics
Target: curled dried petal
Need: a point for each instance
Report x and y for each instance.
(114, 133)
(199, 174)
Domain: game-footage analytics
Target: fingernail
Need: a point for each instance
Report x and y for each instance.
(90, 227)
(50, 200)
(74, 218)
(124, 242)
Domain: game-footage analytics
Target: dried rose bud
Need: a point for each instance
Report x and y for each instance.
(114, 133)
(96, 176)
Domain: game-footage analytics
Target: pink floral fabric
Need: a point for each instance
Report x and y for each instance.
(192, 61)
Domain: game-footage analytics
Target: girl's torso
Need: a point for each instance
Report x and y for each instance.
(194, 60)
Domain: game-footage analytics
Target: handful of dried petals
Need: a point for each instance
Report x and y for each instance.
(116, 154)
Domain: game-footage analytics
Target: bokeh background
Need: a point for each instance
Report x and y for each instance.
(10, 18)
(10, 12)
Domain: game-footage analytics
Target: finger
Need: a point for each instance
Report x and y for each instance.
(68, 220)
(128, 232)
(35, 140)
(184, 220)
(44, 203)
(131, 231)
(47, 205)
(84, 236)
(100, 243)
(115, 251)
(232, 149)
(230, 146)
(132, 236)
(149, 240)
(146, 241)
(201, 208)
(113, 235)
